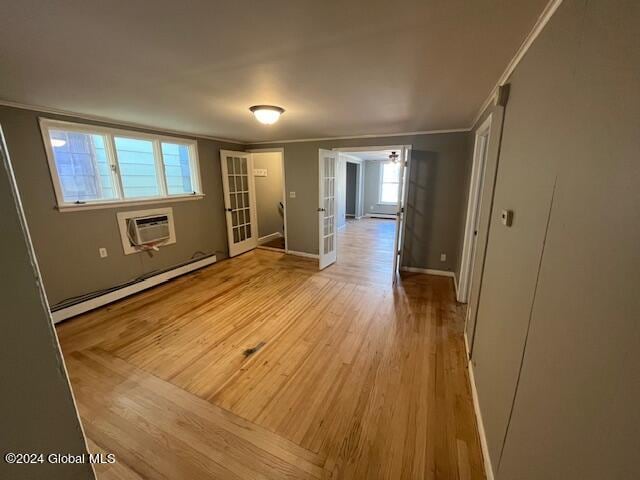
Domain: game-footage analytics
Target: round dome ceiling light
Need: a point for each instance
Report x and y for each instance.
(267, 114)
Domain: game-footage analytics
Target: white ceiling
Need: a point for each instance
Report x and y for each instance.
(338, 68)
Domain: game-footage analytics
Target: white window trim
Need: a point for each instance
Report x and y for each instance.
(46, 124)
(380, 182)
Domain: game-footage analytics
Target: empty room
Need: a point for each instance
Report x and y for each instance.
(320, 240)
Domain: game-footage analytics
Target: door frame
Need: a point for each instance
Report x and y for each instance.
(476, 188)
(407, 148)
(359, 183)
(284, 189)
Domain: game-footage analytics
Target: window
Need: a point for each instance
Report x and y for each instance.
(93, 165)
(389, 181)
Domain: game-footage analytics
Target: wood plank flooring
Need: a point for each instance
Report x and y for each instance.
(355, 380)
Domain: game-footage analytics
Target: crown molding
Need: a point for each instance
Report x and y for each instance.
(542, 21)
(113, 121)
(371, 135)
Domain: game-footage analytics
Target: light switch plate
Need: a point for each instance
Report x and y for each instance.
(103, 252)
(443, 257)
(259, 172)
(292, 194)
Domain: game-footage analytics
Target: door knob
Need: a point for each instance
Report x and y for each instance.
(321, 210)
(228, 209)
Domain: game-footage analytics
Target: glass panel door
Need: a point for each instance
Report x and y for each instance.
(239, 201)
(327, 207)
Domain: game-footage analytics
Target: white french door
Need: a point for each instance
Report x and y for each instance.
(239, 201)
(327, 207)
(400, 213)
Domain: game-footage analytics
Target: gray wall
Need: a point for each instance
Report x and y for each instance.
(438, 177)
(371, 189)
(37, 413)
(67, 243)
(352, 188)
(555, 351)
(269, 193)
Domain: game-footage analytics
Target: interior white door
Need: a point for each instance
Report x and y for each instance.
(400, 214)
(239, 201)
(327, 207)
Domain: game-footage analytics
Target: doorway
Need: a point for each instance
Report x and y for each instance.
(362, 210)
(478, 172)
(351, 190)
(268, 176)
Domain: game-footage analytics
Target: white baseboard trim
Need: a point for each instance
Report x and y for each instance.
(380, 215)
(268, 238)
(96, 302)
(429, 271)
(455, 284)
(303, 254)
(476, 407)
(466, 343)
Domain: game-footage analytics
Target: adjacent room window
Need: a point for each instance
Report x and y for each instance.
(93, 165)
(389, 181)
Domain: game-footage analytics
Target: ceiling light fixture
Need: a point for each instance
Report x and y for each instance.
(58, 142)
(267, 114)
(393, 157)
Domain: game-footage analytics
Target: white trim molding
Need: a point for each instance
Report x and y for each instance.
(354, 137)
(455, 284)
(542, 21)
(474, 203)
(119, 204)
(429, 271)
(303, 254)
(380, 215)
(488, 468)
(110, 297)
(268, 238)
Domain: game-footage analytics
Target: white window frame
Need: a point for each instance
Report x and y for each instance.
(47, 124)
(381, 181)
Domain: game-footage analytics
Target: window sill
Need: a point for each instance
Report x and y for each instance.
(127, 203)
(387, 204)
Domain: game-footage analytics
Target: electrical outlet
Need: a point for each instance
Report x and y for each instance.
(103, 252)
(292, 194)
(443, 257)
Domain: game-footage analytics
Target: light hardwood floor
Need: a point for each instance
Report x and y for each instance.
(356, 379)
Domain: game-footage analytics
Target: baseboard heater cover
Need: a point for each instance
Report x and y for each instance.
(119, 293)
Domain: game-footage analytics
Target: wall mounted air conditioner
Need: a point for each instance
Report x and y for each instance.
(152, 229)
(142, 230)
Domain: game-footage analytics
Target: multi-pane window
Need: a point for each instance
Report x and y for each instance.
(137, 167)
(389, 181)
(82, 166)
(97, 165)
(177, 168)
